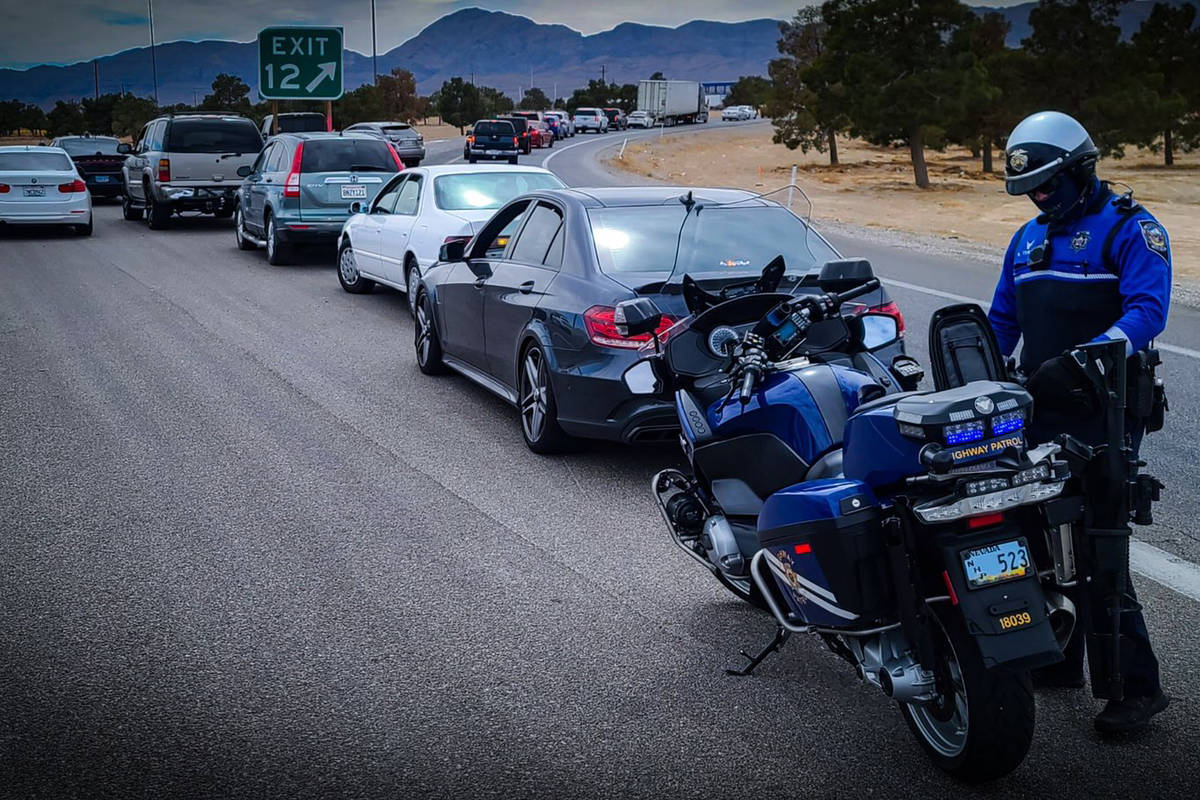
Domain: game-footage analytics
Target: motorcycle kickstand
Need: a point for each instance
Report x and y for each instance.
(782, 634)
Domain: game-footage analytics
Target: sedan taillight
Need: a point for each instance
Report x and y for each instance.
(72, 187)
(601, 325)
(5, 188)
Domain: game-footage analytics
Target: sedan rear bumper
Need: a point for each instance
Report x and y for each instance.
(594, 403)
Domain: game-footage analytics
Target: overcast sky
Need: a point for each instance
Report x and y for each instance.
(65, 31)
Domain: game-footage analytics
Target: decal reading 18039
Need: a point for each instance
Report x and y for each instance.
(993, 448)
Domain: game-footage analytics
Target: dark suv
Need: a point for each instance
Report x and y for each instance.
(492, 139)
(188, 162)
(521, 128)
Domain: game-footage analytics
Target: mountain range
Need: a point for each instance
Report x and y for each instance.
(492, 48)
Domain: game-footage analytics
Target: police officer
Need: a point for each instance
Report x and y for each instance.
(1092, 266)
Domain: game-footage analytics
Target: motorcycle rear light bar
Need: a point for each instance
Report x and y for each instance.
(991, 502)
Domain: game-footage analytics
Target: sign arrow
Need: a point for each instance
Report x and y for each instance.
(327, 70)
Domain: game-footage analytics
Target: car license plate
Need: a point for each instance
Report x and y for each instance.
(100, 178)
(491, 152)
(35, 191)
(996, 563)
(354, 192)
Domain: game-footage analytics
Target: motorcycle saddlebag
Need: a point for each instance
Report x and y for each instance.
(963, 348)
(825, 547)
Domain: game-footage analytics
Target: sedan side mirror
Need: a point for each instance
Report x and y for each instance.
(637, 317)
(453, 251)
(124, 149)
(244, 171)
(356, 207)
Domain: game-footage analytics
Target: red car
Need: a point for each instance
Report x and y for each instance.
(539, 134)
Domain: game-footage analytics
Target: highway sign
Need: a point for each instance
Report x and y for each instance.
(300, 63)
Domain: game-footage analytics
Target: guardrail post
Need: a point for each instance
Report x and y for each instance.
(622, 153)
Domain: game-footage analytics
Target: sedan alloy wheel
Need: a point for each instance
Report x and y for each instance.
(539, 413)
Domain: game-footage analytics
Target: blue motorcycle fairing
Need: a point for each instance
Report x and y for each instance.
(806, 408)
(814, 500)
(875, 453)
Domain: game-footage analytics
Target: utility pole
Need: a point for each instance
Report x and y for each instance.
(153, 56)
(374, 49)
(96, 75)
(602, 78)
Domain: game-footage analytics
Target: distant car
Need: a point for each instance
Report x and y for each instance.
(99, 160)
(521, 127)
(301, 187)
(616, 118)
(490, 140)
(398, 237)
(539, 134)
(590, 119)
(564, 122)
(553, 123)
(406, 140)
(295, 122)
(188, 162)
(41, 186)
(526, 309)
(738, 113)
(641, 119)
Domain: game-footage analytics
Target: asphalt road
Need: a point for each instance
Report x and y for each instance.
(249, 550)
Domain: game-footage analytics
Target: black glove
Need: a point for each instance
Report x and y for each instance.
(1061, 385)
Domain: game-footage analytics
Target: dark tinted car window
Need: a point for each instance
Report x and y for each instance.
(537, 235)
(520, 124)
(29, 162)
(212, 136)
(400, 131)
(88, 147)
(303, 123)
(342, 155)
(721, 240)
(493, 129)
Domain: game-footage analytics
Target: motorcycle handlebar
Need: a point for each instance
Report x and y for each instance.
(857, 291)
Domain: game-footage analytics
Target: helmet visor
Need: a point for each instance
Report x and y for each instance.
(1017, 183)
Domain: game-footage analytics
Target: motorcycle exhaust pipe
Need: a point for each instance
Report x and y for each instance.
(1062, 614)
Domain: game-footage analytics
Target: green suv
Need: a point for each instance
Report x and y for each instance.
(301, 189)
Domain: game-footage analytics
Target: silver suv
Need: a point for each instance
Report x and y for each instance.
(590, 119)
(188, 162)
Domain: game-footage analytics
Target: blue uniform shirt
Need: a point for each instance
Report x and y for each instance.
(1088, 286)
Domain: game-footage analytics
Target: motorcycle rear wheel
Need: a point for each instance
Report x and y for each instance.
(982, 726)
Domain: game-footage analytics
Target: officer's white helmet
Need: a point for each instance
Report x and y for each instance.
(1041, 146)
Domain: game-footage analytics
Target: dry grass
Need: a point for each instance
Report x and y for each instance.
(873, 186)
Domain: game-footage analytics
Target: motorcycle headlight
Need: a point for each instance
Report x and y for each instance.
(1007, 423)
(963, 432)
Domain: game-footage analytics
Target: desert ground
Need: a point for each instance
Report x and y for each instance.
(873, 186)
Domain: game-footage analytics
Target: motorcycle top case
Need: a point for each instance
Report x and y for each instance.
(825, 546)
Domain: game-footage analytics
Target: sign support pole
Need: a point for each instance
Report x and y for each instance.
(329, 115)
(274, 117)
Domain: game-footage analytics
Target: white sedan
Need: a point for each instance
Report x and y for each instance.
(400, 235)
(40, 186)
(641, 119)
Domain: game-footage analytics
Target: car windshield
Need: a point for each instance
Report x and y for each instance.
(301, 123)
(493, 129)
(587, 112)
(485, 191)
(666, 242)
(345, 155)
(95, 145)
(35, 162)
(213, 136)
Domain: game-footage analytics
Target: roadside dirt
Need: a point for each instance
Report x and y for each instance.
(872, 186)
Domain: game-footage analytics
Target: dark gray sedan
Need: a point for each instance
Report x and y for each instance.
(526, 308)
(406, 140)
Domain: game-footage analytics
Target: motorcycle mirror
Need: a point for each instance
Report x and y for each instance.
(844, 274)
(879, 330)
(636, 317)
(641, 378)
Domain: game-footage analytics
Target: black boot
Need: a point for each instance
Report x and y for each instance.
(1130, 714)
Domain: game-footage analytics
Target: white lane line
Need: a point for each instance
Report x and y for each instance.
(1161, 567)
(551, 157)
(1169, 348)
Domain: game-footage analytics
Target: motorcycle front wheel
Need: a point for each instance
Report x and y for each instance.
(981, 726)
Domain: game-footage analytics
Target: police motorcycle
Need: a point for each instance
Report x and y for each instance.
(914, 532)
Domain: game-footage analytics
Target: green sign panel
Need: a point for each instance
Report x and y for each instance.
(299, 63)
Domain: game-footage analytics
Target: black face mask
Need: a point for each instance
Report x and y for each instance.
(1065, 196)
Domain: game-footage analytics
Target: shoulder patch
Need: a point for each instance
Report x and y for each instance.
(1154, 236)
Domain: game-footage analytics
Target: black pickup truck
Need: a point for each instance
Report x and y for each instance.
(99, 160)
(492, 139)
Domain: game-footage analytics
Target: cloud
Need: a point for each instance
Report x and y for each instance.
(119, 19)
